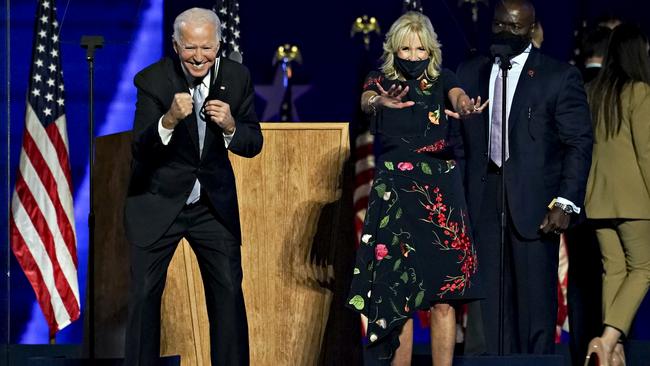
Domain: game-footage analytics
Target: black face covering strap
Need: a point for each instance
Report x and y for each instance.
(411, 69)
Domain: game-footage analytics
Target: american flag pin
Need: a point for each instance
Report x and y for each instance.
(531, 73)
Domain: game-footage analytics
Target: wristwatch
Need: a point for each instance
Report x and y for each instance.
(567, 209)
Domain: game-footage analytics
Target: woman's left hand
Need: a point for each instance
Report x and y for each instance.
(467, 106)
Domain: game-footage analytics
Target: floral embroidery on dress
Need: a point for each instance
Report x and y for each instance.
(434, 117)
(372, 81)
(404, 166)
(435, 147)
(425, 86)
(455, 237)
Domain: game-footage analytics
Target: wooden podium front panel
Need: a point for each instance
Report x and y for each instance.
(281, 194)
(184, 318)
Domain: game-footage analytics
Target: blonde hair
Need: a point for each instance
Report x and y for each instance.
(411, 22)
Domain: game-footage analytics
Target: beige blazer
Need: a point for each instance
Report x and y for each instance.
(619, 180)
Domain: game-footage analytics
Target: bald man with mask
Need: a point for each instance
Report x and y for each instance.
(548, 154)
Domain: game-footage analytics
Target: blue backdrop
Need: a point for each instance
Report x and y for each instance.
(138, 32)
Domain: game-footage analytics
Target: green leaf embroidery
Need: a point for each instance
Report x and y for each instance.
(357, 271)
(397, 264)
(384, 222)
(395, 240)
(419, 298)
(381, 189)
(389, 165)
(404, 277)
(426, 169)
(398, 214)
(358, 302)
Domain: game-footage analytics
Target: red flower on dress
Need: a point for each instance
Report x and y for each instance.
(381, 251)
(372, 81)
(435, 147)
(454, 237)
(404, 165)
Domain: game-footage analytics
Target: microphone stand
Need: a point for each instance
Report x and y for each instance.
(504, 65)
(90, 43)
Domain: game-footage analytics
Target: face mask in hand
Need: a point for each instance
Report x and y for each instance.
(517, 43)
(411, 69)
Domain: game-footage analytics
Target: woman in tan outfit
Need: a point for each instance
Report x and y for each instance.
(618, 190)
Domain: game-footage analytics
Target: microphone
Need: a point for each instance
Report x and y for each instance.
(504, 52)
(235, 56)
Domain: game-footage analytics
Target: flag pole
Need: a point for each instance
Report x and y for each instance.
(90, 43)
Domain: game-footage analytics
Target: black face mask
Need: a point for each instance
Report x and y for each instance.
(516, 43)
(411, 69)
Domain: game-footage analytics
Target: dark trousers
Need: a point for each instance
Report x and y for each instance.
(584, 289)
(530, 306)
(219, 257)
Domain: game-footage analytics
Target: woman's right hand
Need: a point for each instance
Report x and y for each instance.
(392, 98)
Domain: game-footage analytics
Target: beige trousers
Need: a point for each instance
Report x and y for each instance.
(625, 248)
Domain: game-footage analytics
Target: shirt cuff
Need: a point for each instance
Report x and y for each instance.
(228, 138)
(565, 201)
(165, 133)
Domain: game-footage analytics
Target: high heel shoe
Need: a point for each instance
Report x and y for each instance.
(617, 357)
(597, 353)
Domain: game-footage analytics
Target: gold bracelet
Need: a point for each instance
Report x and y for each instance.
(371, 103)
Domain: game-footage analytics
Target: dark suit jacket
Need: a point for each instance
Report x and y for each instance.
(590, 73)
(550, 136)
(163, 175)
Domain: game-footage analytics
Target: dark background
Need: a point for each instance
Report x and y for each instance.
(138, 32)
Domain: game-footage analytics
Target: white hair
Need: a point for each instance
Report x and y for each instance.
(196, 16)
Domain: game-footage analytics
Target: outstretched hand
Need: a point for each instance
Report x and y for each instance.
(467, 106)
(392, 98)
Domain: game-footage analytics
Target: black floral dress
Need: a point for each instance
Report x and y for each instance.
(416, 246)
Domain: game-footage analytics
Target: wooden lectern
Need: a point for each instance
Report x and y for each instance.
(282, 193)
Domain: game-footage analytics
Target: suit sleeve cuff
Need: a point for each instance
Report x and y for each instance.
(165, 134)
(565, 201)
(228, 137)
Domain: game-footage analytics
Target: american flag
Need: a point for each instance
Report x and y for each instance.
(562, 322)
(364, 174)
(228, 12)
(42, 227)
(411, 5)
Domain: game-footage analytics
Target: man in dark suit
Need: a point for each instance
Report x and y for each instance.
(190, 112)
(593, 50)
(547, 160)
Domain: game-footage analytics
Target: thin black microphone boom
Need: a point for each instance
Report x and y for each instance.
(504, 53)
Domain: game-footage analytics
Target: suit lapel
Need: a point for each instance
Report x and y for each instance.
(525, 88)
(215, 92)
